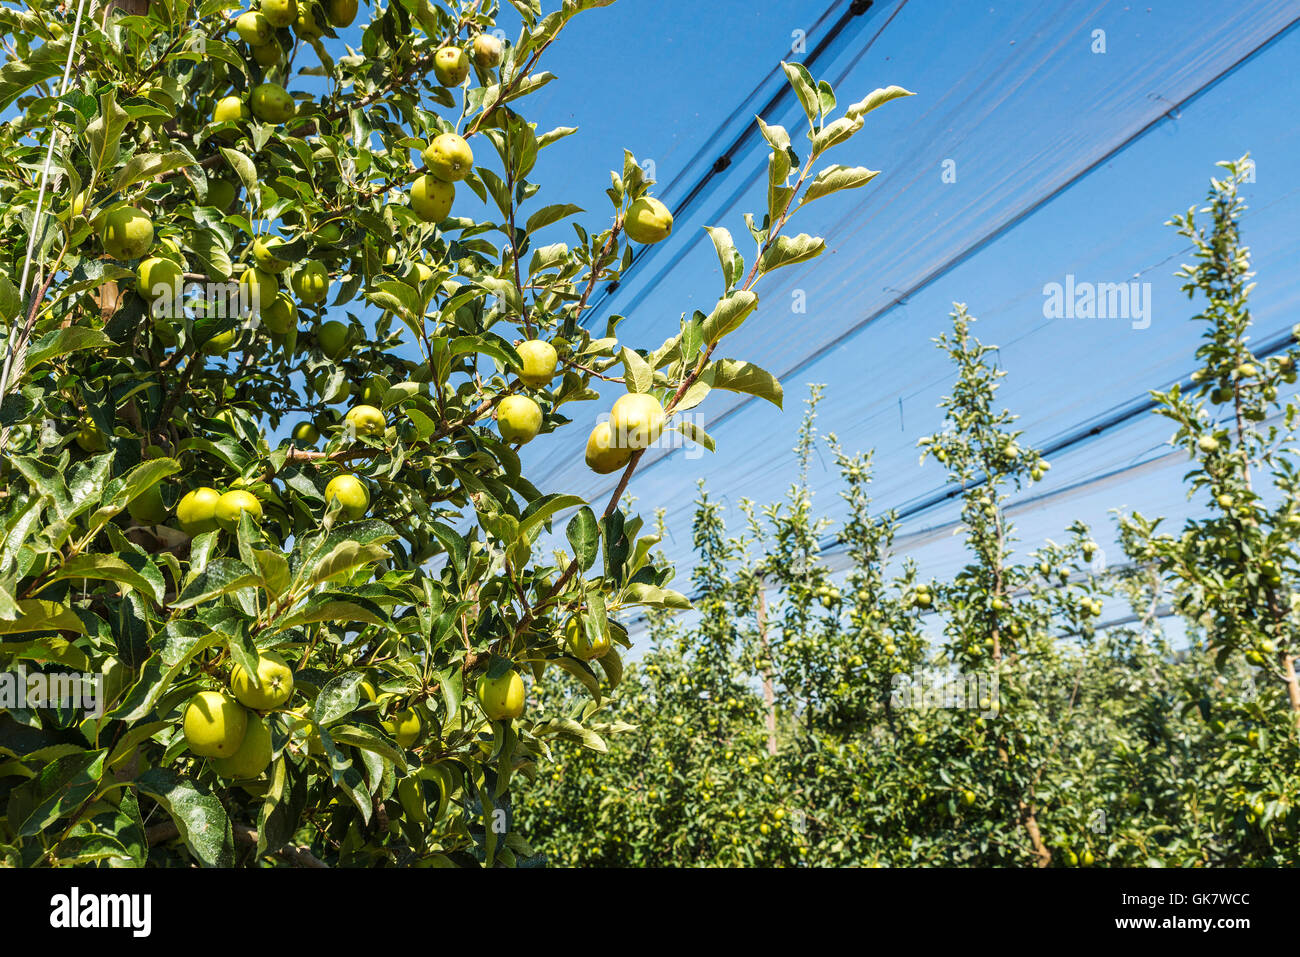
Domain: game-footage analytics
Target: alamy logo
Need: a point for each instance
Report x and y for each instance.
(925, 690)
(20, 689)
(1101, 300)
(74, 910)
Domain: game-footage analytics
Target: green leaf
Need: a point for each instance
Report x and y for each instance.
(733, 264)
(788, 250)
(550, 214)
(197, 813)
(221, 576)
(61, 342)
(37, 615)
(736, 375)
(543, 509)
(835, 178)
(11, 302)
(875, 98)
(695, 432)
(244, 169)
(805, 89)
(345, 557)
(584, 537)
(835, 133)
(331, 609)
(109, 568)
(144, 166)
(582, 671)
(338, 698)
(641, 593)
(728, 315)
(639, 376)
(59, 789)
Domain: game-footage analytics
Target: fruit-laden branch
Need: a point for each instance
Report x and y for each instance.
(294, 854)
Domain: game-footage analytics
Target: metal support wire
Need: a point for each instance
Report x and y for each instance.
(17, 346)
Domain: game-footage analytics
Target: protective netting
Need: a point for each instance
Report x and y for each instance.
(1028, 156)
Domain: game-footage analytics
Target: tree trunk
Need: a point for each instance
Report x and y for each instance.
(769, 695)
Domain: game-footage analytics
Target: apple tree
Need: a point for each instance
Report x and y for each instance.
(317, 649)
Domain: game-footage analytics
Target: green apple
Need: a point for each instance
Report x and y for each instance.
(502, 697)
(252, 756)
(332, 337)
(366, 420)
(279, 13)
(272, 688)
(519, 419)
(253, 28)
(147, 508)
(636, 420)
(257, 289)
(351, 494)
(342, 12)
(230, 109)
(269, 54)
(196, 511)
(540, 362)
(406, 727)
(126, 233)
(221, 343)
(281, 315)
(312, 283)
(306, 433)
(487, 51)
(235, 503)
(582, 646)
(305, 25)
(451, 66)
(431, 198)
(89, 437)
(214, 724)
(648, 221)
(156, 278)
(221, 193)
(271, 103)
(603, 456)
(330, 233)
(266, 254)
(448, 158)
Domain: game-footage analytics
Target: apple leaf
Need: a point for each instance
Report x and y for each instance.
(805, 89)
(728, 315)
(144, 166)
(788, 250)
(584, 537)
(197, 813)
(59, 788)
(36, 614)
(875, 98)
(736, 375)
(639, 376)
(835, 178)
(695, 432)
(541, 510)
(221, 576)
(550, 214)
(61, 342)
(733, 264)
